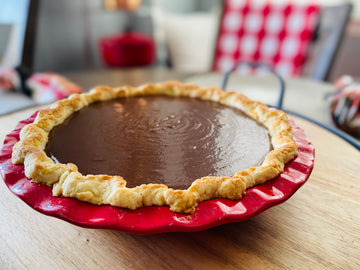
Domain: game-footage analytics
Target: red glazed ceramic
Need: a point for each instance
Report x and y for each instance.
(155, 219)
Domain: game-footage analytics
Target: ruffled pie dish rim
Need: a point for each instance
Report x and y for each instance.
(157, 219)
(67, 181)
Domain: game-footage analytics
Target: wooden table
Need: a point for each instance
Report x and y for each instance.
(317, 228)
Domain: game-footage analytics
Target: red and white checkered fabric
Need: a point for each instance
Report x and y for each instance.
(43, 87)
(48, 87)
(276, 33)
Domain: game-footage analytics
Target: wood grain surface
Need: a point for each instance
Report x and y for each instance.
(317, 228)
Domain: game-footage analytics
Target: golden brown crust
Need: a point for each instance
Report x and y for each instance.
(104, 189)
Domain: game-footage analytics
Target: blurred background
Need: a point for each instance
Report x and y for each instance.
(65, 47)
(67, 35)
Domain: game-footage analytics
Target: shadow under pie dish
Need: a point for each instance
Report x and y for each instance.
(201, 135)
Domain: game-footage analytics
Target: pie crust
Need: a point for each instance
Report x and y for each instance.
(104, 189)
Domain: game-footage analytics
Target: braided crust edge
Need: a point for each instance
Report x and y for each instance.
(104, 189)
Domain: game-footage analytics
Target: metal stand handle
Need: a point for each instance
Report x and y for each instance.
(279, 105)
(261, 66)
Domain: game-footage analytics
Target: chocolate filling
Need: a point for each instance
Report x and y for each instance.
(159, 139)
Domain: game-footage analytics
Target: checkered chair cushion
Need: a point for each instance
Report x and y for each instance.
(276, 33)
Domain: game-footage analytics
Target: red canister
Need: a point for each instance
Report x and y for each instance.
(127, 49)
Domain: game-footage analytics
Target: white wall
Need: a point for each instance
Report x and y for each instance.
(13, 16)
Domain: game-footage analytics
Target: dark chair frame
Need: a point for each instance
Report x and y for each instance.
(27, 58)
(327, 40)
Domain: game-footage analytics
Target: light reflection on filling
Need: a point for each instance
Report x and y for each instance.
(160, 139)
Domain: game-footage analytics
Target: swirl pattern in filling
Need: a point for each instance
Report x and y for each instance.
(159, 139)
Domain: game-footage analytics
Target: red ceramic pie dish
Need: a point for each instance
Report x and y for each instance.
(155, 219)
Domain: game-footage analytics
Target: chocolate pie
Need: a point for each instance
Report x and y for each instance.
(158, 144)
